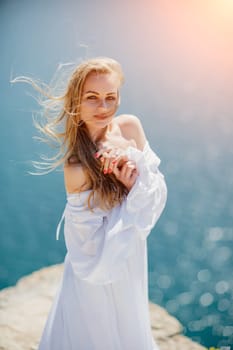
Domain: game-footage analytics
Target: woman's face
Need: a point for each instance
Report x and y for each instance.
(99, 100)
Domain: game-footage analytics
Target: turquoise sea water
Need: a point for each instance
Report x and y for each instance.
(185, 104)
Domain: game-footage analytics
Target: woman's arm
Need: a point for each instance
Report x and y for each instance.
(75, 178)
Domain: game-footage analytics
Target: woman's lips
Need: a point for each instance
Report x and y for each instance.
(101, 116)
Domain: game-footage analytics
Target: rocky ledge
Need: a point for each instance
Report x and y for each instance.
(24, 309)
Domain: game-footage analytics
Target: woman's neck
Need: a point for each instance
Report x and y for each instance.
(100, 134)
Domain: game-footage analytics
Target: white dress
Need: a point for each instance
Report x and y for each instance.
(102, 300)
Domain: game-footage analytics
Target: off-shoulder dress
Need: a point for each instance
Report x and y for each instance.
(102, 299)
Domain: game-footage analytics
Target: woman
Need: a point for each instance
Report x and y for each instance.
(115, 195)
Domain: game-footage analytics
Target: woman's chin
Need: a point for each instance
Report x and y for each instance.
(100, 123)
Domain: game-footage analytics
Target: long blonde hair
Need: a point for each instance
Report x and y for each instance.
(62, 124)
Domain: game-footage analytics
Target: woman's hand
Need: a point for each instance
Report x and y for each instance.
(115, 161)
(126, 173)
(110, 151)
(110, 157)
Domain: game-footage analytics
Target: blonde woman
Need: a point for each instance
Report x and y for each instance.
(115, 195)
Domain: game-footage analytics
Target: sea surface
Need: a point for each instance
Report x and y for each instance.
(184, 102)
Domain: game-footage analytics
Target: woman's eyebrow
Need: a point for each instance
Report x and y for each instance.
(96, 93)
(91, 92)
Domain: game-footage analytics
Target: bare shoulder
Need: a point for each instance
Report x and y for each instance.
(131, 128)
(75, 178)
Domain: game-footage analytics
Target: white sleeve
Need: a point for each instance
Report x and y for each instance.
(146, 200)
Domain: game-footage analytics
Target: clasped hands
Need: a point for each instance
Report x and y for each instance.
(114, 160)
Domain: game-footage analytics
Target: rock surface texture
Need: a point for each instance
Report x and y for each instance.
(24, 309)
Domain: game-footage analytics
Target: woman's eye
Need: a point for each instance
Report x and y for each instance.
(93, 97)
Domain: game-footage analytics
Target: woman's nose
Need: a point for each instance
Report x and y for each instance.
(102, 104)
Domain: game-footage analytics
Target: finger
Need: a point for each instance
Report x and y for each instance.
(106, 165)
(117, 162)
(125, 170)
(114, 156)
(129, 171)
(115, 170)
(102, 152)
(117, 165)
(112, 159)
(128, 175)
(106, 160)
(121, 160)
(98, 154)
(110, 166)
